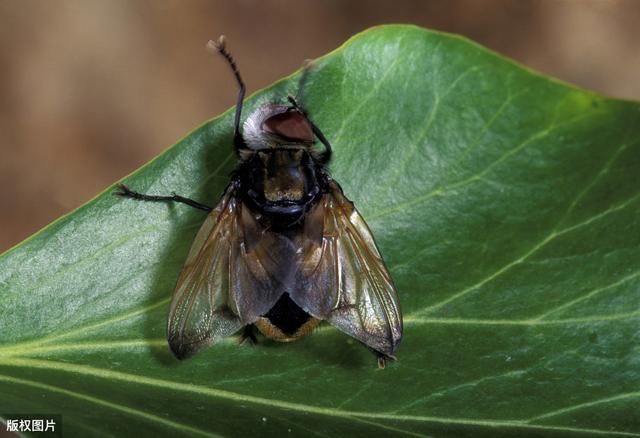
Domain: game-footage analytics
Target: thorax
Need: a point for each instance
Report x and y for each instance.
(280, 181)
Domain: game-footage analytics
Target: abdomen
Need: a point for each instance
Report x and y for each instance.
(286, 321)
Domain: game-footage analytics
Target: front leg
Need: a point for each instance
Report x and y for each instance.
(126, 192)
(325, 157)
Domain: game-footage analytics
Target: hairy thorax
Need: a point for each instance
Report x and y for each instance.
(281, 181)
(284, 176)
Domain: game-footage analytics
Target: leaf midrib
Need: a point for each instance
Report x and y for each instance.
(332, 412)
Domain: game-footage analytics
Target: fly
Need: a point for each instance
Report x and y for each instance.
(284, 249)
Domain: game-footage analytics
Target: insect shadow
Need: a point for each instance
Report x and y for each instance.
(215, 146)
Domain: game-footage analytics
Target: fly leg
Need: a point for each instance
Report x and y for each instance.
(126, 192)
(382, 359)
(325, 157)
(248, 334)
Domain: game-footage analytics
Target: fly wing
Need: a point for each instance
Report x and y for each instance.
(343, 278)
(226, 282)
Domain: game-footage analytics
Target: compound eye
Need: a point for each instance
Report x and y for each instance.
(290, 125)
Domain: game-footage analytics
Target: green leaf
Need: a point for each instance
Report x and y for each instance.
(506, 205)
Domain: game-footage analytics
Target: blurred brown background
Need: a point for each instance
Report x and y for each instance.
(92, 89)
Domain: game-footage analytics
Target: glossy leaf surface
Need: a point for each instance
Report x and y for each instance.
(506, 205)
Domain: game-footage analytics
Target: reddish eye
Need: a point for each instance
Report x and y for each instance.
(290, 125)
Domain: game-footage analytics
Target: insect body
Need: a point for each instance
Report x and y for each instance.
(284, 249)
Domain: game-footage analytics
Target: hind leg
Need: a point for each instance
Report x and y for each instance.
(382, 359)
(248, 334)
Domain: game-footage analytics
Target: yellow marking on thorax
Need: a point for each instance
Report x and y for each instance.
(286, 181)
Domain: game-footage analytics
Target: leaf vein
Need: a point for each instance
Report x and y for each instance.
(471, 179)
(583, 405)
(115, 406)
(237, 397)
(552, 235)
(587, 296)
(363, 101)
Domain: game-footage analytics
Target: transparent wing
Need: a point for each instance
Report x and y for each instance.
(225, 283)
(343, 278)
